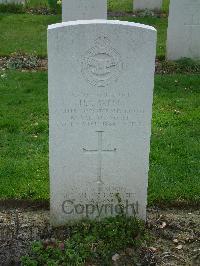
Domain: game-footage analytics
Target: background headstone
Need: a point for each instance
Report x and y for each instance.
(101, 76)
(183, 29)
(84, 9)
(147, 4)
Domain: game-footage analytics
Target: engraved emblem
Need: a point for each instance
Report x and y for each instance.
(101, 64)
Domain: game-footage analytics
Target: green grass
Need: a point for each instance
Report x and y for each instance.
(36, 3)
(127, 5)
(120, 5)
(24, 33)
(23, 136)
(175, 159)
(166, 5)
(113, 5)
(93, 242)
(160, 24)
(28, 33)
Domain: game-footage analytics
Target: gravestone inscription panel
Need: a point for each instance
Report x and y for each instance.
(84, 9)
(101, 78)
(183, 38)
(147, 4)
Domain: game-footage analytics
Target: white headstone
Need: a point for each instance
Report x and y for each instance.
(101, 78)
(147, 4)
(184, 29)
(84, 9)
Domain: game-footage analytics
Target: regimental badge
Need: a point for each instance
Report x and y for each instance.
(101, 64)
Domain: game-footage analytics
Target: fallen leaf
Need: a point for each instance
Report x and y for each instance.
(179, 247)
(163, 225)
(62, 246)
(153, 249)
(115, 257)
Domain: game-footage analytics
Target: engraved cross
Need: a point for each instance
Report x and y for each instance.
(99, 151)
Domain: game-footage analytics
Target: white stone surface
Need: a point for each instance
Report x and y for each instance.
(184, 30)
(101, 78)
(84, 9)
(147, 4)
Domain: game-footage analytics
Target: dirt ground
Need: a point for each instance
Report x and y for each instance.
(175, 236)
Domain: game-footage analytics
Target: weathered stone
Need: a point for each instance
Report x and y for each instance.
(101, 76)
(84, 9)
(147, 4)
(184, 30)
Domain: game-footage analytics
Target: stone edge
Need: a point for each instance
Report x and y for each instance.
(100, 21)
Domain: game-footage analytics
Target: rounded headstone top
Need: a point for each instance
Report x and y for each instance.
(100, 21)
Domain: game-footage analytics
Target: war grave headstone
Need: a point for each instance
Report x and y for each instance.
(101, 79)
(147, 4)
(84, 9)
(183, 37)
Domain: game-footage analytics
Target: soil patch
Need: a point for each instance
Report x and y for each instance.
(31, 63)
(175, 236)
